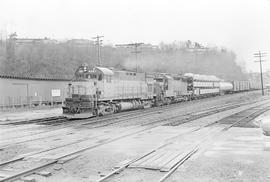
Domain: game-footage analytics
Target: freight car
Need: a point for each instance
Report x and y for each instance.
(240, 86)
(253, 85)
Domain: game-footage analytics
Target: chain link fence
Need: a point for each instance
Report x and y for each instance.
(8, 102)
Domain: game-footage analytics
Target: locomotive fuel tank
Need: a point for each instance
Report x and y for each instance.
(124, 106)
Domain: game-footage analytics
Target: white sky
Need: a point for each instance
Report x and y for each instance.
(240, 25)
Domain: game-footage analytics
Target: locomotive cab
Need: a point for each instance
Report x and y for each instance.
(163, 89)
(82, 94)
(100, 91)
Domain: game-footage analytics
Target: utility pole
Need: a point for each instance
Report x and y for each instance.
(136, 51)
(98, 44)
(260, 55)
(11, 46)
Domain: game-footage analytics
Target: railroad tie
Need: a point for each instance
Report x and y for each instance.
(144, 160)
(164, 159)
(167, 160)
(167, 167)
(150, 164)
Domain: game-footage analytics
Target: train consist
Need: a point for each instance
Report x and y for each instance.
(101, 91)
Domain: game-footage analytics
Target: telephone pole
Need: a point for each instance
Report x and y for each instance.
(136, 51)
(98, 44)
(260, 55)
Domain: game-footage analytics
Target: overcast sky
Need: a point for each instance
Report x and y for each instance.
(240, 25)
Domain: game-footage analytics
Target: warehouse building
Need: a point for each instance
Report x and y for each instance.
(25, 91)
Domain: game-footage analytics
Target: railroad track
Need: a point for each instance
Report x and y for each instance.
(31, 121)
(107, 120)
(152, 125)
(112, 121)
(241, 118)
(98, 122)
(133, 114)
(57, 120)
(184, 118)
(178, 119)
(61, 119)
(234, 120)
(147, 115)
(29, 171)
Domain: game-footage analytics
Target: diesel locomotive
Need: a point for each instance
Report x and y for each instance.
(101, 91)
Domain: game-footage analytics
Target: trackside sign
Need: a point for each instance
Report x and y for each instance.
(56, 93)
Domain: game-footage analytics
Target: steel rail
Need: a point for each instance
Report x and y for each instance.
(185, 158)
(132, 116)
(76, 152)
(249, 117)
(82, 150)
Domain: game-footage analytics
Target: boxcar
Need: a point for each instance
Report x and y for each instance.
(254, 85)
(240, 86)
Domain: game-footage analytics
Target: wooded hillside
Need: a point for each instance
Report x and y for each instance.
(59, 60)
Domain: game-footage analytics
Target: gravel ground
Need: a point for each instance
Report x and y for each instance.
(201, 104)
(247, 168)
(13, 151)
(98, 162)
(19, 115)
(240, 155)
(90, 165)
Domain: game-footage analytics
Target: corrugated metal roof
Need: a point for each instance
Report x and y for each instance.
(105, 71)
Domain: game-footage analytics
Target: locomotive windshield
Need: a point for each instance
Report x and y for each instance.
(159, 79)
(85, 73)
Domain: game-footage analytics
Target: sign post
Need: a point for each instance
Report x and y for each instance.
(55, 93)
